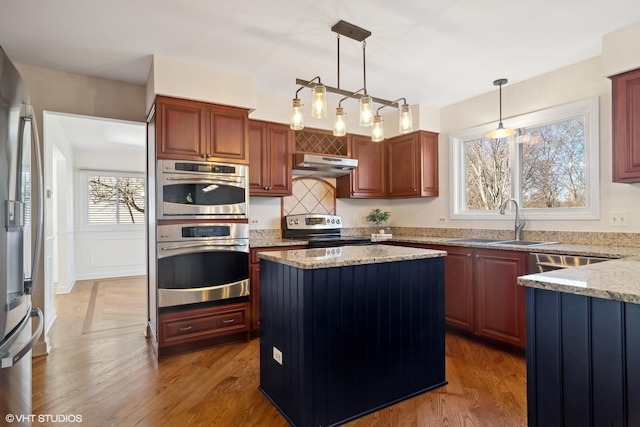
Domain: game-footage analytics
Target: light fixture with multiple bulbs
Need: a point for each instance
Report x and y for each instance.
(367, 118)
(501, 132)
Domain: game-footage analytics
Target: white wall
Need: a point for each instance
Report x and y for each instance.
(105, 251)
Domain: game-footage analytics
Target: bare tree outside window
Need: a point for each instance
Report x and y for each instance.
(116, 200)
(488, 173)
(552, 165)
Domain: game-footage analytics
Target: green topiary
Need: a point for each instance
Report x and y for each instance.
(377, 216)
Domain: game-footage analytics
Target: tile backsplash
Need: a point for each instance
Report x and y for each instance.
(310, 195)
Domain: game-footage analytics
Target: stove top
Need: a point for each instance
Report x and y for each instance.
(322, 231)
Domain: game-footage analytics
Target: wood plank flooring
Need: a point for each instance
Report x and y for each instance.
(103, 368)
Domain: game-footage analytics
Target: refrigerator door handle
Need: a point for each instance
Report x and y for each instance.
(11, 359)
(29, 283)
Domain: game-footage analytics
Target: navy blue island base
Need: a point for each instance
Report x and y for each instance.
(340, 342)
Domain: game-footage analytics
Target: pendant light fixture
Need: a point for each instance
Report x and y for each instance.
(367, 117)
(339, 124)
(501, 132)
(377, 132)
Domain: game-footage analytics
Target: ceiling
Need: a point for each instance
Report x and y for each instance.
(99, 134)
(430, 52)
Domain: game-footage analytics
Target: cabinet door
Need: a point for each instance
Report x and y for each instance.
(280, 139)
(258, 159)
(626, 126)
(458, 287)
(254, 279)
(500, 302)
(180, 127)
(429, 164)
(404, 166)
(227, 138)
(369, 179)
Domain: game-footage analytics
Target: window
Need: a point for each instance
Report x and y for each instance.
(550, 166)
(114, 199)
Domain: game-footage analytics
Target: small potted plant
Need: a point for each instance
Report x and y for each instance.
(378, 217)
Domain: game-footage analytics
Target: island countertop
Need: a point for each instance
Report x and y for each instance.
(615, 280)
(308, 259)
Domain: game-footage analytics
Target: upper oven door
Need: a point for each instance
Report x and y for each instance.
(192, 194)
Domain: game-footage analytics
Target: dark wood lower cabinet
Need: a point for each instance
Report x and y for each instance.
(582, 360)
(482, 298)
(254, 280)
(189, 329)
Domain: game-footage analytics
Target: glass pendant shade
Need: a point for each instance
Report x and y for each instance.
(339, 125)
(296, 121)
(405, 121)
(319, 106)
(377, 132)
(366, 111)
(501, 132)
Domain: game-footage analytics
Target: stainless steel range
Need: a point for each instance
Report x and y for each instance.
(322, 231)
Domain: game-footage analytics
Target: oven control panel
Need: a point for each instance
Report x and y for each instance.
(312, 222)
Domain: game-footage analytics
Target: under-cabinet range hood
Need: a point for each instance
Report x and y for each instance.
(321, 165)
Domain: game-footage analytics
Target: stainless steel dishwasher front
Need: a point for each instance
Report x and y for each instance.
(540, 262)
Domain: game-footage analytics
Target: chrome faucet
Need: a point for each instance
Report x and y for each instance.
(519, 224)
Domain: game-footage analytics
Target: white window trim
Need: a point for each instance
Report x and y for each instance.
(83, 177)
(588, 109)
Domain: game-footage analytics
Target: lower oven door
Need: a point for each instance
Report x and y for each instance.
(193, 272)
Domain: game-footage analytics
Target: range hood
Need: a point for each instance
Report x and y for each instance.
(322, 166)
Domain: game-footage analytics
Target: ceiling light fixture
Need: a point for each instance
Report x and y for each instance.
(501, 132)
(319, 105)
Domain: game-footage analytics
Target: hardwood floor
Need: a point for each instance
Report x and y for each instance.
(102, 368)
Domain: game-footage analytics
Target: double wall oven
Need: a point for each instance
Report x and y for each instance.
(202, 232)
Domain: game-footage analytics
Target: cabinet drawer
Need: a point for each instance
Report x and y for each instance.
(198, 324)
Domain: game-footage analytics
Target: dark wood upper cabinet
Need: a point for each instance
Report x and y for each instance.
(403, 166)
(626, 126)
(270, 161)
(369, 179)
(192, 130)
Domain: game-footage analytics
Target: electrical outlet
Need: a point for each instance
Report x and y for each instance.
(619, 218)
(254, 221)
(442, 219)
(277, 355)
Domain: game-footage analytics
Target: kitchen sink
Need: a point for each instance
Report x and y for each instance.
(522, 243)
(473, 240)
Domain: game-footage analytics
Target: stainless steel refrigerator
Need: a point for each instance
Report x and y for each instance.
(20, 242)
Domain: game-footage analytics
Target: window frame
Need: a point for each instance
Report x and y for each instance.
(587, 109)
(83, 176)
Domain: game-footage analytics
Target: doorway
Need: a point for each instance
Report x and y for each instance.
(77, 149)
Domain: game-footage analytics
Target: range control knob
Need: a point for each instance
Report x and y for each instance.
(290, 222)
(338, 221)
(295, 221)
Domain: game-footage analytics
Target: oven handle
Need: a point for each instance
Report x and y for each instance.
(207, 181)
(200, 245)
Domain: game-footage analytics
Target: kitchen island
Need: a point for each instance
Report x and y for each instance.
(583, 345)
(349, 330)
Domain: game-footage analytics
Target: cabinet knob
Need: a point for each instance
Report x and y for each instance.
(468, 255)
(477, 256)
(266, 188)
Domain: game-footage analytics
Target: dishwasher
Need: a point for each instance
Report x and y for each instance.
(539, 262)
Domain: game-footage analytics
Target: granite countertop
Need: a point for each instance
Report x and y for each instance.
(274, 242)
(554, 248)
(309, 259)
(615, 280)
